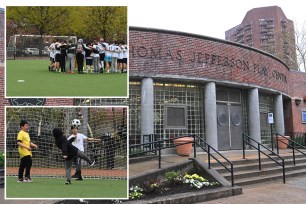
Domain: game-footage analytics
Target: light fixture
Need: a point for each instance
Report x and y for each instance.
(297, 101)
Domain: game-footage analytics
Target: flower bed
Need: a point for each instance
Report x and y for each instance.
(174, 182)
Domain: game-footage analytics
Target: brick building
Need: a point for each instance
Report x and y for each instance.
(268, 29)
(182, 84)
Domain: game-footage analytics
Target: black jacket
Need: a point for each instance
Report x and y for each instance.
(63, 144)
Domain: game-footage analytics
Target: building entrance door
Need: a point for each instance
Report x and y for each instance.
(230, 126)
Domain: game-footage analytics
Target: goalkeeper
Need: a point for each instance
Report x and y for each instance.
(77, 140)
(69, 152)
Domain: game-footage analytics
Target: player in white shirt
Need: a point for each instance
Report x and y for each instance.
(78, 141)
(115, 55)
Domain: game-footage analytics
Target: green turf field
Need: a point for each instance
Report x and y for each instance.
(38, 81)
(55, 188)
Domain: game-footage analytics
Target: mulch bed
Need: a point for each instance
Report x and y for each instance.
(170, 189)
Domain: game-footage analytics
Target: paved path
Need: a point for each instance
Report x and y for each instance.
(293, 192)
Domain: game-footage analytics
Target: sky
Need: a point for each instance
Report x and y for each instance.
(211, 17)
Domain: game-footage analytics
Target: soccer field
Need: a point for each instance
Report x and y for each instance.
(31, 78)
(55, 188)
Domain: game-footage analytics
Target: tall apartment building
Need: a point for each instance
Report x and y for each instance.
(268, 29)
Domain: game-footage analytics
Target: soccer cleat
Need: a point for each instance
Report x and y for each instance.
(93, 162)
(79, 179)
(68, 182)
(20, 180)
(29, 180)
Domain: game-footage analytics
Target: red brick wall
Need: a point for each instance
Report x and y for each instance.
(1, 35)
(298, 86)
(166, 54)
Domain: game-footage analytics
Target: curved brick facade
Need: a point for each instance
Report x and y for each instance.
(176, 56)
(166, 54)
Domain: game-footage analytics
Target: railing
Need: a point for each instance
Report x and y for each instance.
(245, 141)
(291, 144)
(208, 150)
(299, 137)
(158, 147)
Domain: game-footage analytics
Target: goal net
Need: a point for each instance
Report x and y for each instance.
(106, 123)
(27, 46)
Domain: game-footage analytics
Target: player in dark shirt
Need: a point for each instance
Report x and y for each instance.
(69, 152)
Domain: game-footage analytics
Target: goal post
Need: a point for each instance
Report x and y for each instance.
(32, 45)
(110, 154)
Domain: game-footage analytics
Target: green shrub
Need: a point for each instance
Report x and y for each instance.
(1, 160)
(174, 177)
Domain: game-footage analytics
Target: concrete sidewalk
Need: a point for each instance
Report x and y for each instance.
(293, 191)
(172, 159)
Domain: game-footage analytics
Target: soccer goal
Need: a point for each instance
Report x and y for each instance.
(32, 45)
(109, 124)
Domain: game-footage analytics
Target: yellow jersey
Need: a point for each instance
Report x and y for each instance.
(25, 139)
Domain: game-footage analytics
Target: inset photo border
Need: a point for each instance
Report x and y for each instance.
(66, 153)
(66, 51)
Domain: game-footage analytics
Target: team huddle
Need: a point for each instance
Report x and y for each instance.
(95, 57)
(72, 150)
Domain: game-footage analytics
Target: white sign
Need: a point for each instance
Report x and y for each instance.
(270, 118)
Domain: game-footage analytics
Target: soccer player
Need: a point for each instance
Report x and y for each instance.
(77, 140)
(25, 151)
(69, 152)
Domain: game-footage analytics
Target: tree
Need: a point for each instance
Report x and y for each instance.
(300, 35)
(38, 20)
(108, 22)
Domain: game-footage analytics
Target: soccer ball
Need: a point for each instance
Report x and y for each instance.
(76, 123)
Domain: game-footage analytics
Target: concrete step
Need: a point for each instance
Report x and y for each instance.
(255, 165)
(255, 159)
(278, 176)
(246, 171)
(264, 171)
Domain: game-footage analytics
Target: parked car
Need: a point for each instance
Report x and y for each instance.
(31, 51)
(45, 51)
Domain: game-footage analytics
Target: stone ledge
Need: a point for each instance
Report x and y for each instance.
(193, 197)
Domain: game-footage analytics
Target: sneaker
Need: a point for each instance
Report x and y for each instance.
(20, 180)
(93, 162)
(68, 182)
(29, 180)
(79, 179)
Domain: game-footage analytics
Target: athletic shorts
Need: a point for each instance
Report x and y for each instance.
(102, 56)
(124, 60)
(89, 62)
(51, 59)
(57, 57)
(120, 61)
(107, 58)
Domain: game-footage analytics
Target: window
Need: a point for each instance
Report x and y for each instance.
(304, 116)
(176, 117)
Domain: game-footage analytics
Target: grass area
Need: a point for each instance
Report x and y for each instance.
(55, 188)
(39, 82)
